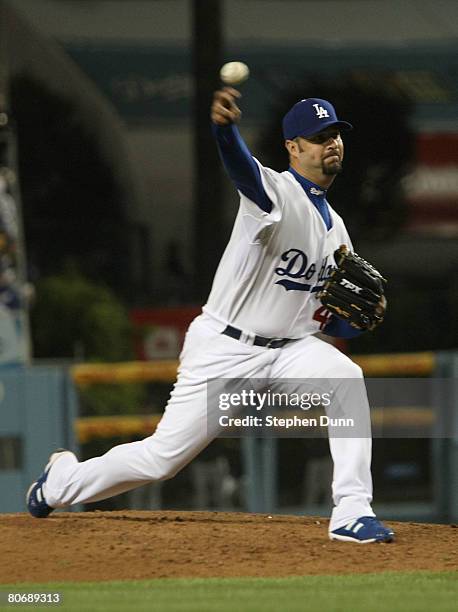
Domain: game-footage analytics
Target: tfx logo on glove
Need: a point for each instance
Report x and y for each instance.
(350, 286)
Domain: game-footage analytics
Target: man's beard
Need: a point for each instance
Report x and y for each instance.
(332, 169)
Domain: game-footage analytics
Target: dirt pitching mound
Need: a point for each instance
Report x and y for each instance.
(97, 546)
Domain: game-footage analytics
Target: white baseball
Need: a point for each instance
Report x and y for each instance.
(234, 73)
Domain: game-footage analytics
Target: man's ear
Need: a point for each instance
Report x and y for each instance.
(292, 148)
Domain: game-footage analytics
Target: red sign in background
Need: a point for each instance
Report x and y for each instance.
(432, 187)
(159, 332)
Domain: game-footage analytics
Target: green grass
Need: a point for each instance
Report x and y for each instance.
(385, 592)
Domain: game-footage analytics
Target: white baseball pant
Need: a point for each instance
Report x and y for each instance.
(182, 432)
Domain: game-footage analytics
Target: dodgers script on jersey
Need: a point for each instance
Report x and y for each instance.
(275, 263)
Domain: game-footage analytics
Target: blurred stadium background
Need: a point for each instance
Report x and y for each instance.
(114, 211)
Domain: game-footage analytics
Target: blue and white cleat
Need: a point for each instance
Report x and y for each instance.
(35, 500)
(364, 530)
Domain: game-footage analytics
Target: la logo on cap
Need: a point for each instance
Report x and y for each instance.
(321, 112)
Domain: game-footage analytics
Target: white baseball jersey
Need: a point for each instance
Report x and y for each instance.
(275, 263)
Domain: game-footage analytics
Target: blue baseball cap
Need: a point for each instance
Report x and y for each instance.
(310, 116)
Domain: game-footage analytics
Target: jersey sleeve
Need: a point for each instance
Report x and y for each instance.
(259, 224)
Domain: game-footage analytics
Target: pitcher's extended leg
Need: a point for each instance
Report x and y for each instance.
(352, 481)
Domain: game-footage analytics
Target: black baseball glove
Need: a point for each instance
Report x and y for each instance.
(355, 291)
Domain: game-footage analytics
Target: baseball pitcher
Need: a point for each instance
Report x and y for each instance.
(288, 272)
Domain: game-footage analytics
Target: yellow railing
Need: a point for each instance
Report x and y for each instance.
(395, 364)
(94, 428)
(125, 372)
